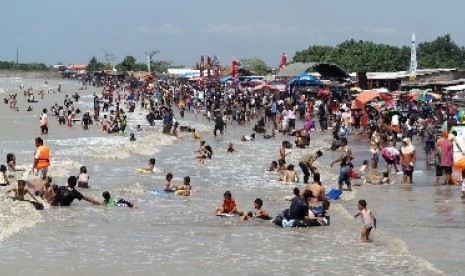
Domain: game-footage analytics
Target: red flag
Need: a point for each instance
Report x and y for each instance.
(283, 62)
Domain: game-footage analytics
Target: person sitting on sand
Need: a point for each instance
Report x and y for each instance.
(229, 205)
(259, 212)
(107, 200)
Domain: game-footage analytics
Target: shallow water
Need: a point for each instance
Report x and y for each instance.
(169, 234)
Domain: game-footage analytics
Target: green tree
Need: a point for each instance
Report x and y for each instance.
(95, 65)
(440, 53)
(314, 53)
(128, 64)
(161, 66)
(254, 64)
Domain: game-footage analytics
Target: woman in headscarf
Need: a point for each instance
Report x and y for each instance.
(408, 156)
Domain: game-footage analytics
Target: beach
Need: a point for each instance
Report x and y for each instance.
(419, 225)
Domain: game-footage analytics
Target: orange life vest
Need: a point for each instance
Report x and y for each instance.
(44, 158)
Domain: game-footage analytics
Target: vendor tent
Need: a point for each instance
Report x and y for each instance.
(303, 79)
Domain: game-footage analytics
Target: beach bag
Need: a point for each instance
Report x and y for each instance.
(387, 154)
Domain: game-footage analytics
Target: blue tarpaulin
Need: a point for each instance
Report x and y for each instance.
(304, 79)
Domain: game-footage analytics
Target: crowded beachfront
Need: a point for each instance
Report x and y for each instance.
(320, 150)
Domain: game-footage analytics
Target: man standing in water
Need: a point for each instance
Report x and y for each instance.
(345, 159)
(306, 164)
(41, 158)
(44, 122)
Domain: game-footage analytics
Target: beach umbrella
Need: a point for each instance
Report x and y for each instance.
(304, 79)
(366, 96)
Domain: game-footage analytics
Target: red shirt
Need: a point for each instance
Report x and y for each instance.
(229, 205)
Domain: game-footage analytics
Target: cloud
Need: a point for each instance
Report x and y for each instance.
(170, 28)
(261, 29)
(167, 28)
(385, 31)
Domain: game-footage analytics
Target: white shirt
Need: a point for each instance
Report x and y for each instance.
(395, 120)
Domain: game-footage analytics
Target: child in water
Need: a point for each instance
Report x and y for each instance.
(231, 148)
(185, 189)
(368, 219)
(20, 191)
(259, 212)
(168, 186)
(48, 192)
(151, 167)
(229, 206)
(3, 176)
(83, 178)
(107, 200)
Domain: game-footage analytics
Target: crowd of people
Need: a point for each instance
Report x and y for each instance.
(290, 114)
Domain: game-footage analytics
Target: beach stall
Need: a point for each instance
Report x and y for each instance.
(369, 96)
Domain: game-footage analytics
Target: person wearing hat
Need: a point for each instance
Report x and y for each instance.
(66, 194)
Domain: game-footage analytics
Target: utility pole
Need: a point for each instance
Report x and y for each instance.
(150, 54)
(17, 56)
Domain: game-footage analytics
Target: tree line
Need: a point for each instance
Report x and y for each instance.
(13, 66)
(367, 56)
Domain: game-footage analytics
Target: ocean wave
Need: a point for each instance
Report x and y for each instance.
(16, 216)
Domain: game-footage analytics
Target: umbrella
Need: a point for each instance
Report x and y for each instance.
(367, 96)
(304, 79)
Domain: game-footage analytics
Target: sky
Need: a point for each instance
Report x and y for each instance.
(72, 32)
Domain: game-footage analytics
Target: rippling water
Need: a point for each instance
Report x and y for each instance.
(169, 234)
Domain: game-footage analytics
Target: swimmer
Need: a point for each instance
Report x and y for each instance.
(151, 167)
(132, 138)
(107, 200)
(273, 166)
(259, 212)
(231, 148)
(168, 186)
(185, 189)
(83, 178)
(20, 191)
(229, 205)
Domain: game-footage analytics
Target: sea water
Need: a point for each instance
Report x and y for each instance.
(419, 225)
